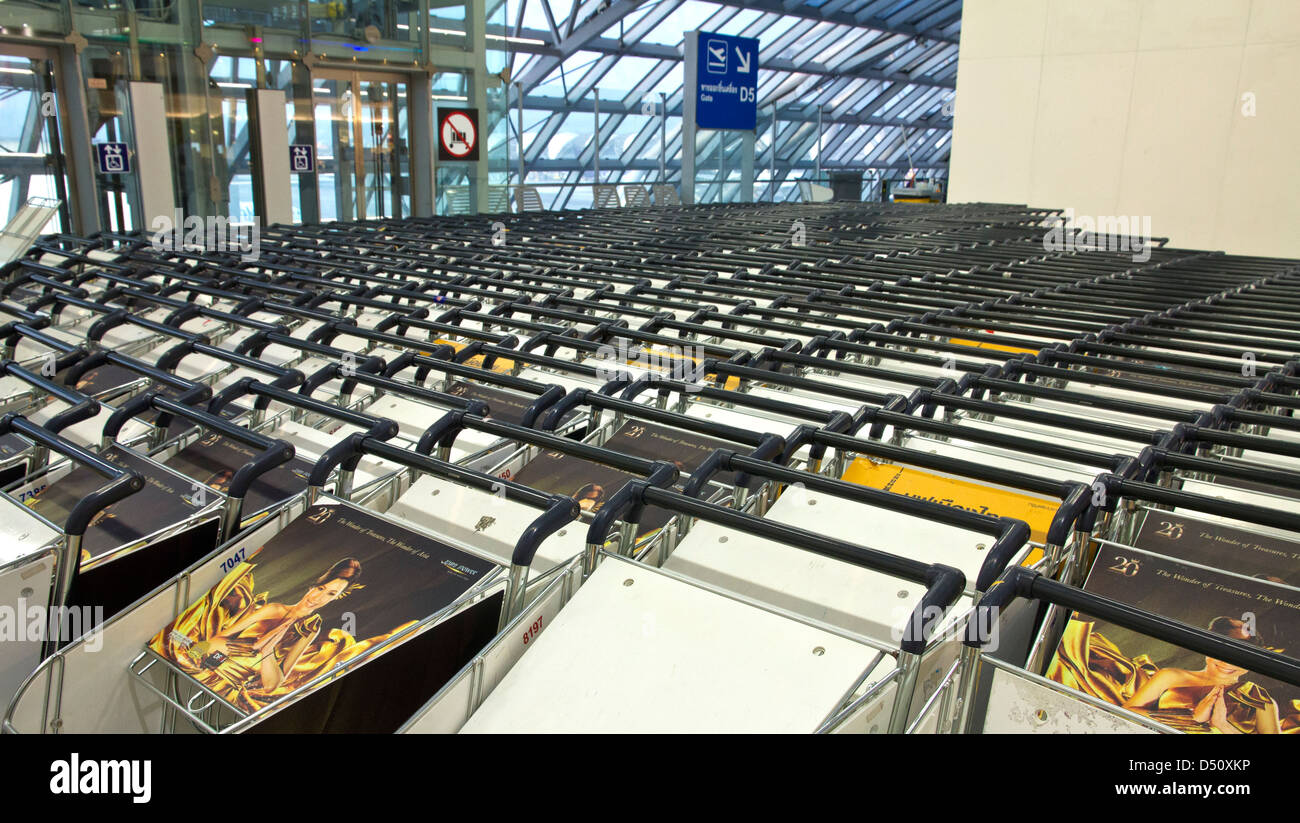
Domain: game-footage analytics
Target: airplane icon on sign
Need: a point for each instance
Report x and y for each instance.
(716, 61)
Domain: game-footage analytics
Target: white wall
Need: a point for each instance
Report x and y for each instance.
(1135, 107)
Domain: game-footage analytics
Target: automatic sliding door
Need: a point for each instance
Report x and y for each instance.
(363, 146)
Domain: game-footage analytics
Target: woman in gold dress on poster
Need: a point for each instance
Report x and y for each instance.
(1212, 699)
(251, 651)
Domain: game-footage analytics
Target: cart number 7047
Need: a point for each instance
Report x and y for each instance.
(234, 560)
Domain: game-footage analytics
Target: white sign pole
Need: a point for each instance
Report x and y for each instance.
(690, 91)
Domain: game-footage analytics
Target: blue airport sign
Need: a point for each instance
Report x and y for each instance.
(726, 82)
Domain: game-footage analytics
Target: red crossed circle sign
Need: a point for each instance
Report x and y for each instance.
(458, 134)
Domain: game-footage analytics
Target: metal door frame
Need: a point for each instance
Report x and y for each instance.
(59, 148)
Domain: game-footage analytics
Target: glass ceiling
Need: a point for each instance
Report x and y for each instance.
(880, 73)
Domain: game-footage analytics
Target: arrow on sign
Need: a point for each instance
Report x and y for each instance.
(743, 57)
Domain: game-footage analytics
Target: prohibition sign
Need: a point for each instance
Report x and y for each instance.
(458, 135)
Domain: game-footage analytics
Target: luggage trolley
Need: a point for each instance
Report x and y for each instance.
(758, 413)
(630, 421)
(823, 394)
(540, 367)
(1164, 538)
(859, 600)
(642, 649)
(511, 399)
(175, 518)
(134, 335)
(1022, 701)
(413, 406)
(552, 464)
(228, 458)
(310, 442)
(19, 457)
(115, 378)
(41, 556)
(190, 654)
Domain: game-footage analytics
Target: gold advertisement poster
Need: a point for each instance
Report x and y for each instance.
(335, 583)
(1219, 545)
(1187, 691)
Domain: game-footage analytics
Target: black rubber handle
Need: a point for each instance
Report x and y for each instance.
(271, 452)
(266, 393)
(123, 482)
(559, 510)
(944, 584)
(82, 407)
(1020, 581)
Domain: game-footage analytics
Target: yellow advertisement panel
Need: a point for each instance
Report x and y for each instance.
(958, 493)
(979, 344)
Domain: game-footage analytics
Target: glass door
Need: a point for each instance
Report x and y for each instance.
(362, 145)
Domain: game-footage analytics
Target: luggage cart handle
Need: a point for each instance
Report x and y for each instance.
(124, 482)
(173, 356)
(1165, 459)
(1075, 497)
(24, 315)
(12, 331)
(543, 360)
(930, 399)
(55, 288)
(445, 430)
(350, 374)
(627, 504)
(557, 510)
(104, 356)
(883, 417)
(184, 310)
(721, 369)
(596, 400)
(387, 384)
(81, 406)
(255, 344)
(547, 394)
(70, 396)
(1010, 535)
(1117, 487)
(1020, 581)
(268, 392)
(114, 317)
(272, 452)
(944, 584)
(667, 386)
(1187, 432)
